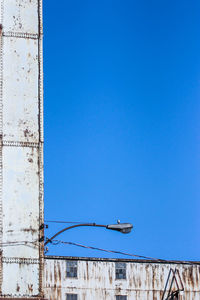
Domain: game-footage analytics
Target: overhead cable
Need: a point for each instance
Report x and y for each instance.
(109, 251)
(18, 243)
(56, 242)
(67, 222)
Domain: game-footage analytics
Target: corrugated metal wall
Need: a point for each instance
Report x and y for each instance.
(96, 280)
(21, 147)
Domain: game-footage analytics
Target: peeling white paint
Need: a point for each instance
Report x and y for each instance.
(20, 90)
(21, 16)
(27, 275)
(96, 280)
(20, 197)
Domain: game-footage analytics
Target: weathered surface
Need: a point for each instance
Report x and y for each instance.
(20, 90)
(23, 298)
(96, 279)
(21, 16)
(21, 148)
(20, 279)
(20, 191)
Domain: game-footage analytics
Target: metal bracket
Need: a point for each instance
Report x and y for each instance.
(44, 226)
(40, 240)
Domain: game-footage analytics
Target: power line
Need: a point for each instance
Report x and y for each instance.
(18, 243)
(56, 242)
(109, 251)
(67, 222)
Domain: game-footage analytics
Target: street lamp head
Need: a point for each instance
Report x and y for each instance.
(122, 227)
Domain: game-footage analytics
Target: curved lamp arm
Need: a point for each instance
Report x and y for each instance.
(122, 227)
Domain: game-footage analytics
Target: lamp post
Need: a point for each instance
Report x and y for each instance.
(121, 227)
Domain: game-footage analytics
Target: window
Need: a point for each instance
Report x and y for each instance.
(121, 297)
(72, 297)
(72, 270)
(120, 270)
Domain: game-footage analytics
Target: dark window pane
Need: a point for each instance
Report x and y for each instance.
(120, 270)
(72, 269)
(72, 297)
(121, 297)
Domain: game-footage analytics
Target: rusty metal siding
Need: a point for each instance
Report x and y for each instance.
(21, 148)
(96, 280)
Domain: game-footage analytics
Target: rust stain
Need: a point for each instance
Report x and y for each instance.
(55, 274)
(29, 230)
(58, 294)
(30, 288)
(87, 271)
(27, 133)
(110, 277)
(59, 274)
(97, 280)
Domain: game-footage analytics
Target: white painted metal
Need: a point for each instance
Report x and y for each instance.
(96, 280)
(20, 193)
(22, 279)
(21, 16)
(20, 90)
(21, 148)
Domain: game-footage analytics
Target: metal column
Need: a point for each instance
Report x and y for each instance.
(21, 149)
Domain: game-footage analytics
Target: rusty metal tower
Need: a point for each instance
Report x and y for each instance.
(21, 149)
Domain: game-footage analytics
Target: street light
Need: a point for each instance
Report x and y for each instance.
(121, 227)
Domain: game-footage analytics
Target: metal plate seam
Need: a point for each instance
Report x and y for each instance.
(21, 35)
(18, 260)
(41, 214)
(41, 139)
(40, 57)
(11, 298)
(20, 144)
(2, 11)
(40, 10)
(20, 296)
(1, 132)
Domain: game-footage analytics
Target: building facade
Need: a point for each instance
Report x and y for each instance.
(75, 278)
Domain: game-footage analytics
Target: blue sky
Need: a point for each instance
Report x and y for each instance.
(122, 125)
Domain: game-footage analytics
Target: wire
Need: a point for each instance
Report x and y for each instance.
(125, 253)
(109, 251)
(18, 243)
(56, 242)
(67, 222)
